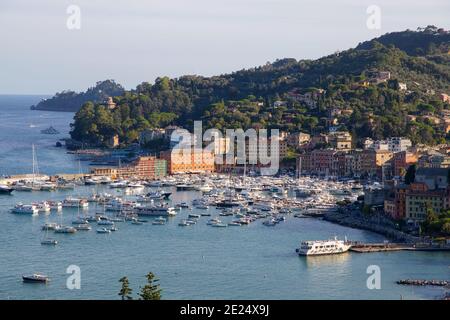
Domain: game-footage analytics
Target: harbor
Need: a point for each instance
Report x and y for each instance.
(193, 260)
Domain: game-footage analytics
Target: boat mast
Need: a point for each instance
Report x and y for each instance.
(245, 171)
(35, 164)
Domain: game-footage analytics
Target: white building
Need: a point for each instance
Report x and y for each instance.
(402, 86)
(399, 144)
(394, 144)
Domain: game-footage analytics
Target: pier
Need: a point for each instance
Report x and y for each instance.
(379, 247)
(385, 247)
(412, 282)
(42, 177)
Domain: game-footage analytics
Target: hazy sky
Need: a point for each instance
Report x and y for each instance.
(133, 41)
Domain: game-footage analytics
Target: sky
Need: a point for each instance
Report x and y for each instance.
(132, 41)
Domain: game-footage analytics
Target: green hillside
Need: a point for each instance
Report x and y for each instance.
(347, 89)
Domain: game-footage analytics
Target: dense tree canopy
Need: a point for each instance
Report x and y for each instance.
(246, 98)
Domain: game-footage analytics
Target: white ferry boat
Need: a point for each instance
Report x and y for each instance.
(323, 247)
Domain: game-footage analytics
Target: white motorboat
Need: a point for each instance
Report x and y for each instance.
(80, 220)
(55, 205)
(65, 229)
(159, 221)
(49, 226)
(183, 205)
(25, 209)
(213, 221)
(92, 218)
(23, 187)
(219, 225)
(5, 189)
(205, 189)
(47, 186)
(83, 227)
(43, 207)
(103, 230)
(154, 184)
(105, 223)
(135, 185)
(136, 222)
(154, 211)
(70, 202)
(35, 278)
(186, 223)
(119, 184)
(270, 223)
(49, 242)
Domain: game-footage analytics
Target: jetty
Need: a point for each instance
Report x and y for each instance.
(384, 247)
(413, 282)
(379, 247)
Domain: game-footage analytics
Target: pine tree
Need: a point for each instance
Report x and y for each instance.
(151, 290)
(125, 291)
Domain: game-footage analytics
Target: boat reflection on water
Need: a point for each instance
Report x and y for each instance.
(326, 260)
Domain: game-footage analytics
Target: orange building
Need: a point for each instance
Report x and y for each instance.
(188, 160)
(399, 211)
(402, 160)
(146, 168)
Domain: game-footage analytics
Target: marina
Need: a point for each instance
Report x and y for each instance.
(98, 208)
(186, 251)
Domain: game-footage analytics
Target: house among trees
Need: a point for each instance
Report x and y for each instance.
(445, 98)
(377, 77)
(113, 141)
(110, 103)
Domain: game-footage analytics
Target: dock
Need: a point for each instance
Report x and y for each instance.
(413, 282)
(387, 247)
(42, 177)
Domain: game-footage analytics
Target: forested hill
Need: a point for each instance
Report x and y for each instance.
(388, 86)
(72, 101)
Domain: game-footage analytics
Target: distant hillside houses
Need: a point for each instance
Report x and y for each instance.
(157, 134)
(445, 98)
(394, 144)
(377, 77)
(309, 98)
(434, 159)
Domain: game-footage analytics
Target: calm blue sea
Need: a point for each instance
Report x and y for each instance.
(20, 128)
(197, 262)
